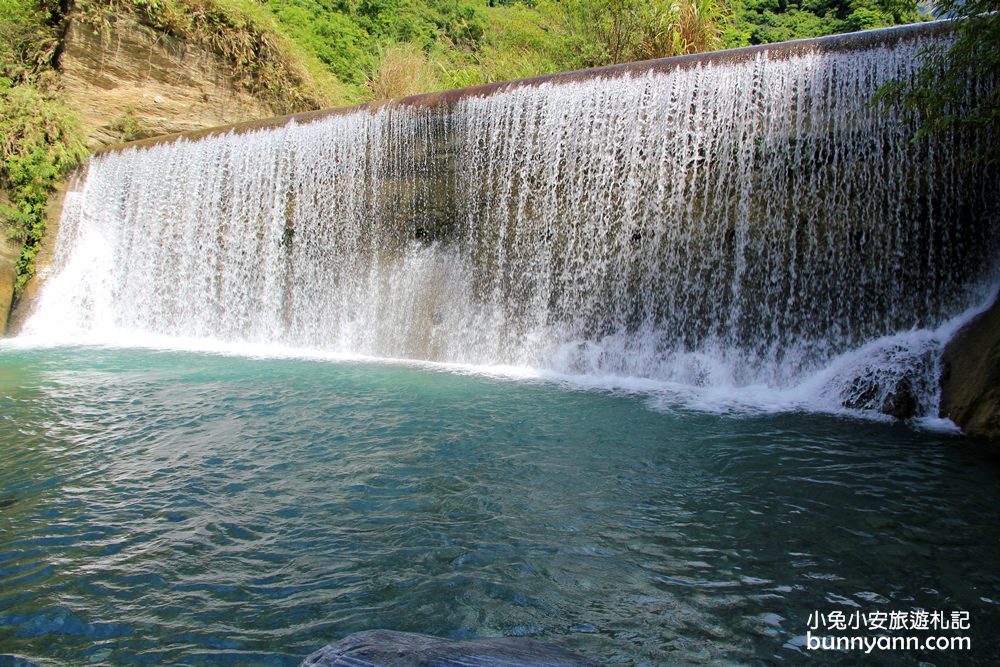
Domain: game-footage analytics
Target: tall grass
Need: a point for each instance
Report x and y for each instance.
(603, 32)
(404, 69)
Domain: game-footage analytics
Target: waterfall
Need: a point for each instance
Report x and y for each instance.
(746, 221)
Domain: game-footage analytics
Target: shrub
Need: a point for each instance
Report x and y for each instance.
(128, 126)
(39, 138)
(604, 32)
(39, 143)
(957, 88)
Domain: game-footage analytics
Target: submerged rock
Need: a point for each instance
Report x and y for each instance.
(12, 660)
(895, 383)
(900, 402)
(387, 648)
(970, 376)
(861, 395)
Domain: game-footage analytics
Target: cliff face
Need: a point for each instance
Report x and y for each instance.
(8, 274)
(970, 378)
(139, 82)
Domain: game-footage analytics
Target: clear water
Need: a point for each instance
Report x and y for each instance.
(178, 508)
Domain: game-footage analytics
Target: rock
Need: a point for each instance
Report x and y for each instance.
(387, 648)
(863, 393)
(163, 84)
(970, 376)
(892, 383)
(900, 402)
(9, 254)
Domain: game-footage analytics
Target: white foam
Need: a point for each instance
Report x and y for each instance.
(822, 392)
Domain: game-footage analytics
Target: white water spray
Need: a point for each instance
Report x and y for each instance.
(751, 226)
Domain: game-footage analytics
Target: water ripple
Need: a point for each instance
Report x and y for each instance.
(192, 509)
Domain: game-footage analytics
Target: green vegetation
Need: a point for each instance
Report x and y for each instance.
(39, 139)
(615, 31)
(404, 69)
(940, 95)
(305, 54)
(128, 125)
(766, 21)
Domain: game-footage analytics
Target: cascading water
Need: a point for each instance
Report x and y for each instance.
(726, 223)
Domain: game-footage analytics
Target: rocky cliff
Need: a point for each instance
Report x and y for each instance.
(9, 253)
(133, 82)
(970, 378)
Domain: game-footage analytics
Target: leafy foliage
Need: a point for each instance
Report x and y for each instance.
(39, 138)
(766, 21)
(128, 125)
(958, 88)
(614, 31)
(28, 40)
(352, 37)
(40, 144)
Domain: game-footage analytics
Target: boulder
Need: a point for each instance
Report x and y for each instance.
(896, 380)
(901, 402)
(387, 648)
(970, 376)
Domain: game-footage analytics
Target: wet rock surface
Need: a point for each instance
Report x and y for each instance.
(897, 386)
(970, 376)
(9, 252)
(900, 402)
(387, 648)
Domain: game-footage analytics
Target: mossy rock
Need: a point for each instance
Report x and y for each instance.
(970, 377)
